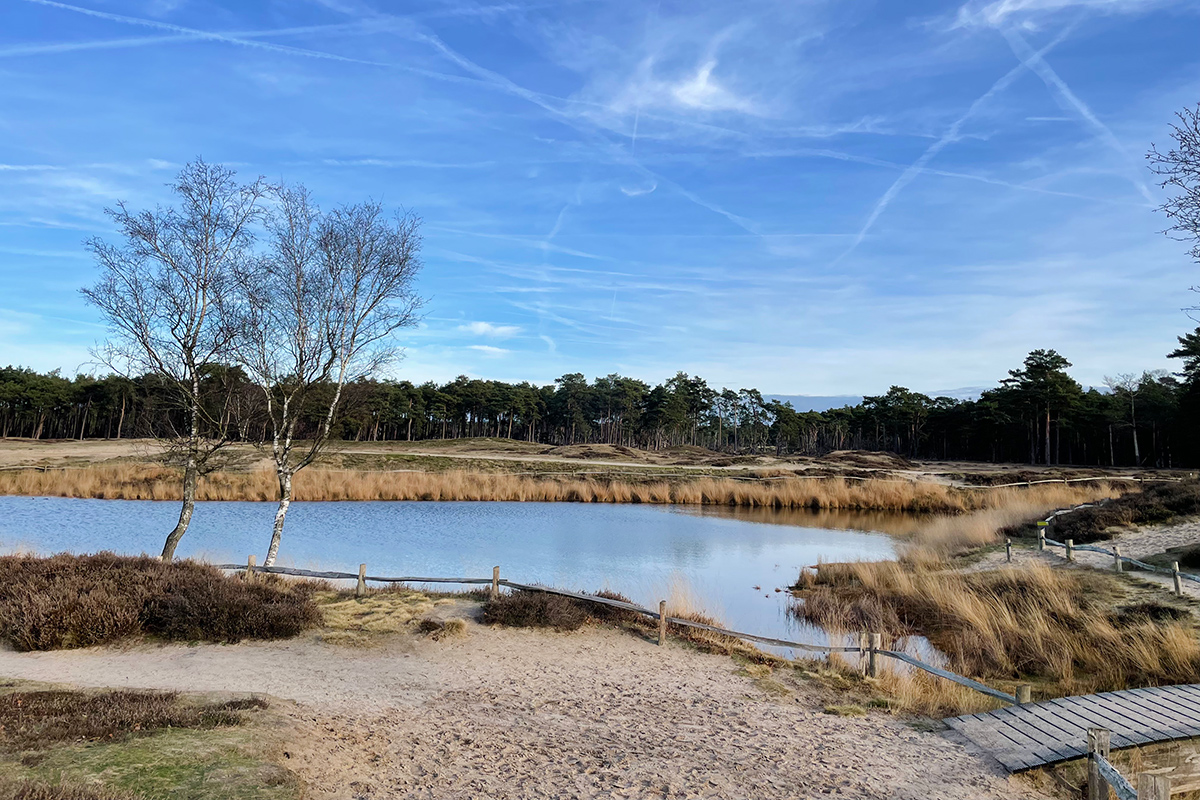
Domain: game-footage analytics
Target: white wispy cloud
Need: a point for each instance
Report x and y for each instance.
(998, 12)
(638, 191)
(489, 350)
(490, 330)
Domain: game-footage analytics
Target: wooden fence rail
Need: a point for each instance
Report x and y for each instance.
(1102, 775)
(871, 651)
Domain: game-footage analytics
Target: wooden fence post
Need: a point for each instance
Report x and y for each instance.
(1098, 745)
(1024, 694)
(495, 582)
(1178, 580)
(251, 560)
(361, 589)
(1153, 787)
(875, 642)
(1008, 550)
(662, 622)
(1070, 549)
(1041, 529)
(1117, 567)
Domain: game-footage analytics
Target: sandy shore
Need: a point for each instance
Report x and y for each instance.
(1134, 543)
(523, 714)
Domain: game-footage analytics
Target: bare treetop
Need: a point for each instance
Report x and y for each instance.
(161, 289)
(1179, 169)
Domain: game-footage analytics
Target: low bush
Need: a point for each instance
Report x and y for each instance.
(535, 610)
(1156, 503)
(78, 601)
(40, 790)
(36, 720)
(613, 615)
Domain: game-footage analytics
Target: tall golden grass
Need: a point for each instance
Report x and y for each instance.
(148, 482)
(1066, 628)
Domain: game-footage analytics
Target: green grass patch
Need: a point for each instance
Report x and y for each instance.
(111, 745)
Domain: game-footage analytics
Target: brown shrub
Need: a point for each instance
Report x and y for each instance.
(40, 790)
(1156, 503)
(36, 720)
(1009, 623)
(612, 615)
(535, 610)
(79, 601)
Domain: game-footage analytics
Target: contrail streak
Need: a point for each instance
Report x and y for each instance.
(1038, 66)
(951, 135)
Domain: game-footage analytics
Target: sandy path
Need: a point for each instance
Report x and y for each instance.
(1134, 543)
(520, 714)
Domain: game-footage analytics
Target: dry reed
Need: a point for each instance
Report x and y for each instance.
(148, 482)
(1061, 627)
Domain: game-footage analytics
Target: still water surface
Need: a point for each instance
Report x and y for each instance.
(718, 555)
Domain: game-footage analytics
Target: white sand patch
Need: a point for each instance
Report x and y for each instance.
(525, 714)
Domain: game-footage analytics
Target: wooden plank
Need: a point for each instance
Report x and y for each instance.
(1025, 736)
(1121, 735)
(1189, 689)
(1119, 720)
(1154, 716)
(1185, 703)
(1004, 750)
(1071, 729)
(1041, 741)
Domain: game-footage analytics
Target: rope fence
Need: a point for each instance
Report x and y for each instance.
(1118, 560)
(871, 648)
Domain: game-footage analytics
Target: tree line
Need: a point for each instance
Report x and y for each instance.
(245, 312)
(1038, 414)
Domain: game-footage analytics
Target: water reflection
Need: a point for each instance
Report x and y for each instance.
(729, 560)
(889, 522)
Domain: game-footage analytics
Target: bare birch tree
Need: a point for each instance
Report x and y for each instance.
(161, 292)
(317, 312)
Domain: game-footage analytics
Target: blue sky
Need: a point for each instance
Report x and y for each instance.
(806, 197)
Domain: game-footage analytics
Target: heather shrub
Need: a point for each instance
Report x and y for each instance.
(79, 601)
(535, 610)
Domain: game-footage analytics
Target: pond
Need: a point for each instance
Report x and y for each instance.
(729, 561)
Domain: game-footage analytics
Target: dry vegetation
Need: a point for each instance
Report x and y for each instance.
(40, 790)
(1068, 630)
(119, 745)
(79, 601)
(359, 621)
(36, 720)
(147, 482)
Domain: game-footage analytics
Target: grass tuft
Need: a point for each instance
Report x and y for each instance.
(1056, 626)
(36, 720)
(42, 790)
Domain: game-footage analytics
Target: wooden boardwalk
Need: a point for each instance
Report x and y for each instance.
(1034, 734)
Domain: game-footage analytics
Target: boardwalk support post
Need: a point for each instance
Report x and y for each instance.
(495, 582)
(1098, 747)
(1116, 558)
(1041, 528)
(361, 589)
(1070, 549)
(662, 622)
(1024, 694)
(1178, 580)
(874, 645)
(1008, 550)
(251, 560)
(1153, 787)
